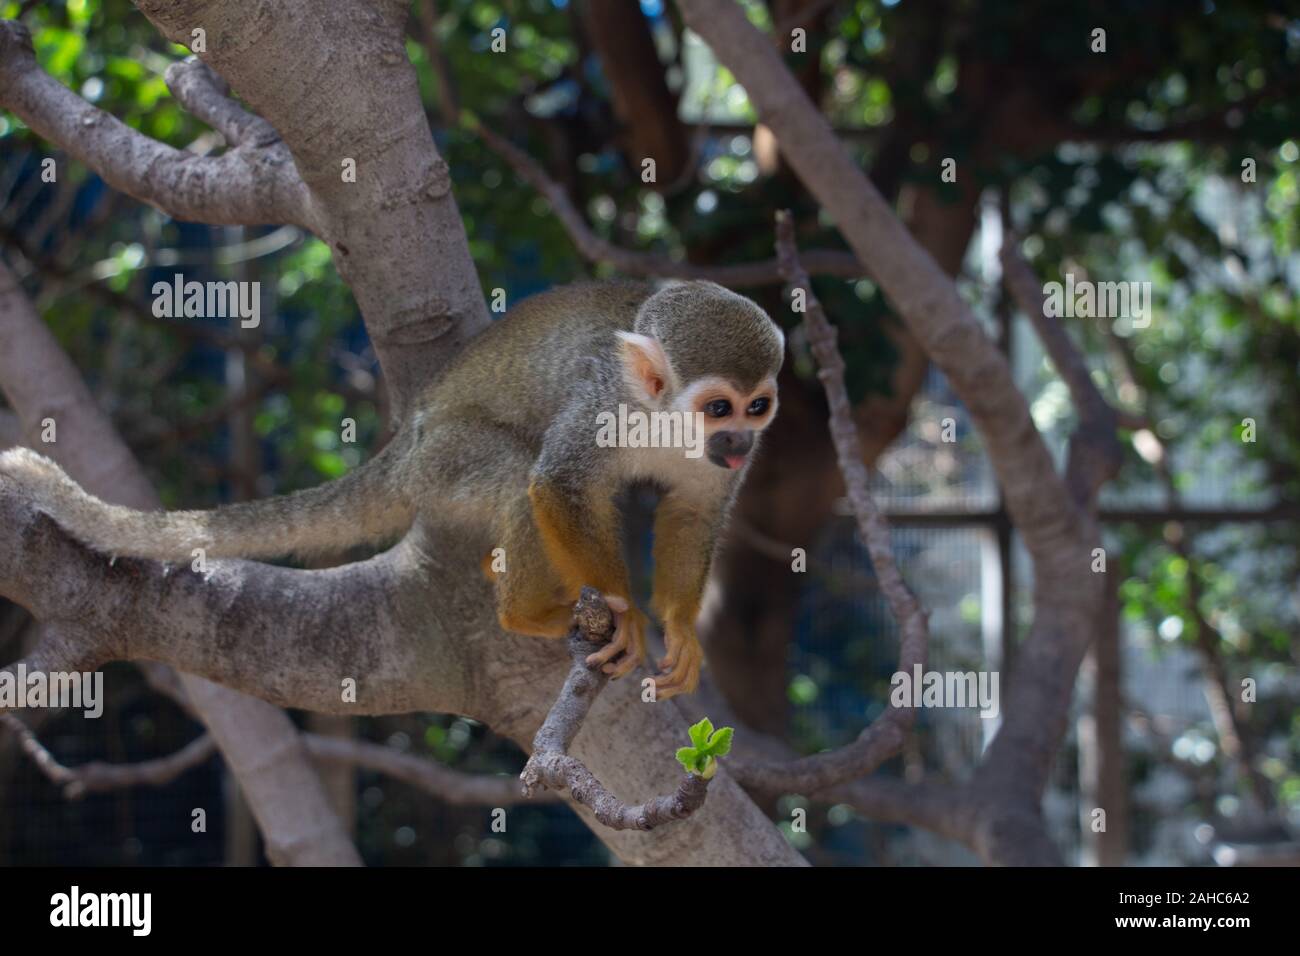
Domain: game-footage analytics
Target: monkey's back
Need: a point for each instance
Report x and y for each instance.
(528, 365)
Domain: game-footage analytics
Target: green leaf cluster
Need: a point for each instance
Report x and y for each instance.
(706, 745)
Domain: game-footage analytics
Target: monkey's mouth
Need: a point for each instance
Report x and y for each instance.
(730, 462)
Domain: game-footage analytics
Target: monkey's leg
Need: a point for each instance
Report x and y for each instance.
(484, 483)
(684, 536)
(531, 598)
(580, 536)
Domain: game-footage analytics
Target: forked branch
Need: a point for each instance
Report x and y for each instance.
(253, 182)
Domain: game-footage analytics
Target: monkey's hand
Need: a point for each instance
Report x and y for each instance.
(627, 649)
(680, 667)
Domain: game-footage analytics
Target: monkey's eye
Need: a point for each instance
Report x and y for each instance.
(718, 408)
(759, 406)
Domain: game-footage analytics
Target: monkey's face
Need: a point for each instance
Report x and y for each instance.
(722, 412)
(732, 417)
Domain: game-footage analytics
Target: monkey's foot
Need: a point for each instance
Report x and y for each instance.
(627, 648)
(680, 667)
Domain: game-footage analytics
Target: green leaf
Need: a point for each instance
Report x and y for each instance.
(688, 757)
(708, 744)
(700, 733)
(720, 742)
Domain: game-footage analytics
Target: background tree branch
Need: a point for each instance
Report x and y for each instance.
(427, 775)
(1011, 778)
(634, 262)
(253, 183)
(884, 736)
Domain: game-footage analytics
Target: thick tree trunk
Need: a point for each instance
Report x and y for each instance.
(645, 107)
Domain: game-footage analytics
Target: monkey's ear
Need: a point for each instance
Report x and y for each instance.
(645, 364)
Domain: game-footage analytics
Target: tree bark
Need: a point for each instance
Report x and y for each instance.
(1102, 777)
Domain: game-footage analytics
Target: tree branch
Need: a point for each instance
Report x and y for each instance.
(442, 782)
(551, 767)
(448, 785)
(884, 736)
(101, 777)
(425, 30)
(207, 96)
(1095, 453)
(290, 637)
(633, 262)
(252, 183)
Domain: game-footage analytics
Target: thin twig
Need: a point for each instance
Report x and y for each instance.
(884, 736)
(425, 28)
(450, 786)
(551, 767)
(100, 777)
(1095, 453)
(253, 182)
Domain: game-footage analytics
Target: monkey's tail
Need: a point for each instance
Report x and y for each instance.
(363, 506)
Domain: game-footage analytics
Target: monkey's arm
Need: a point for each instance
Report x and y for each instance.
(684, 535)
(571, 494)
(571, 489)
(580, 533)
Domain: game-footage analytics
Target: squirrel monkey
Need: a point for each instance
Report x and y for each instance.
(507, 443)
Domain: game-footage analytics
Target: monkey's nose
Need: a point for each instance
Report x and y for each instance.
(734, 443)
(728, 449)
